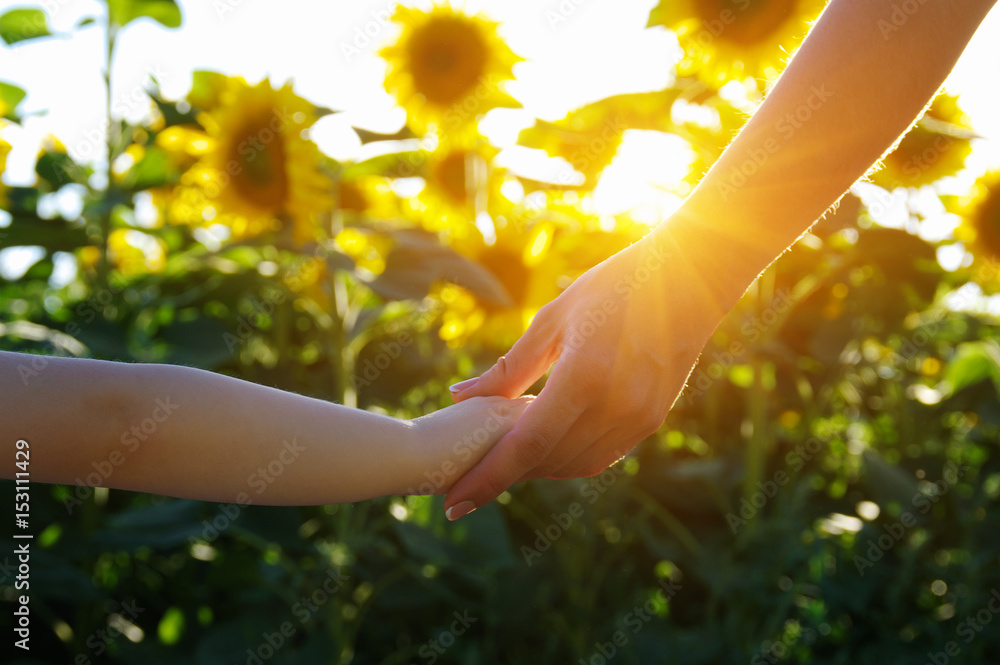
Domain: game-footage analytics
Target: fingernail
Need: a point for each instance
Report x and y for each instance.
(459, 510)
(462, 385)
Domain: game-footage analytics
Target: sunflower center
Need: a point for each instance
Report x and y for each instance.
(510, 270)
(261, 157)
(447, 58)
(743, 21)
(352, 198)
(987, 223)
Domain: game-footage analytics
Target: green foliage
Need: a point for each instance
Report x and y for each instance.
(17, 25)
(165, 12)
(825, 491)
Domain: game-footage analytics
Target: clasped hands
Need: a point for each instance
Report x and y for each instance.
(621, 341)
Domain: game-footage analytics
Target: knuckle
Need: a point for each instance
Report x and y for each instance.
(504, 367)
(532, 449)
(492, 487)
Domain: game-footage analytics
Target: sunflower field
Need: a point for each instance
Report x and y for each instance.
(825, 490)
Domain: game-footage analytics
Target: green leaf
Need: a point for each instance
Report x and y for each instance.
(367, 136)
(172, 114)
(58, 169)
(205, 87)
(393, 165)
(55, 235)
(656, 14)
(153, 170)
(19, 25)
(10, 97)
(888, 482)
(167, 524)
(321, 111)
(973, 362)
(165, 12)
(417, 260)
(203, 342)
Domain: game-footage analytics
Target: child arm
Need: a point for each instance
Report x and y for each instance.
(194, 434)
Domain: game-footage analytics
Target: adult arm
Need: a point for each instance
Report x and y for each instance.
(194, 434)
(861, 77)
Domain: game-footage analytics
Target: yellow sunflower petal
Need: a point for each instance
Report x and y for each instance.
(935, 147)
(980, 230)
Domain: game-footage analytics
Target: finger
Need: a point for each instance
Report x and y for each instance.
(608, 450)
(514, 372)
(581, 437)
(543, 424)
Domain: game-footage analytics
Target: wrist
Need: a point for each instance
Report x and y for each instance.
(727, 256)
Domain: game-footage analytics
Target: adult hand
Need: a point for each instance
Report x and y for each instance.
(623, 337)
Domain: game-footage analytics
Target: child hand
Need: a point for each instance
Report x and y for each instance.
(449, 442)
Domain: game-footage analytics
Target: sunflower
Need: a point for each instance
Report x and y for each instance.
(447, 68)
(459, 183)
(523, 263)
(254, 171)
(371, 197)
(726, 39)
(936, 147)
(980, 230)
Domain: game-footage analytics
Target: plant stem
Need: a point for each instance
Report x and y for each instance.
(104, 268)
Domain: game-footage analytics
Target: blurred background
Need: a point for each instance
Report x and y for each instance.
(365, 202)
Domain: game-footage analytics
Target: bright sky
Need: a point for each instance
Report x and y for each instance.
(600, 48)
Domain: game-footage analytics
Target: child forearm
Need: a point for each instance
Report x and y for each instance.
(194, 434)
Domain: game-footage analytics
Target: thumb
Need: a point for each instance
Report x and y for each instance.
(514, 372)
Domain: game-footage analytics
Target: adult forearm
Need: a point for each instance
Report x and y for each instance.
(865, 72)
